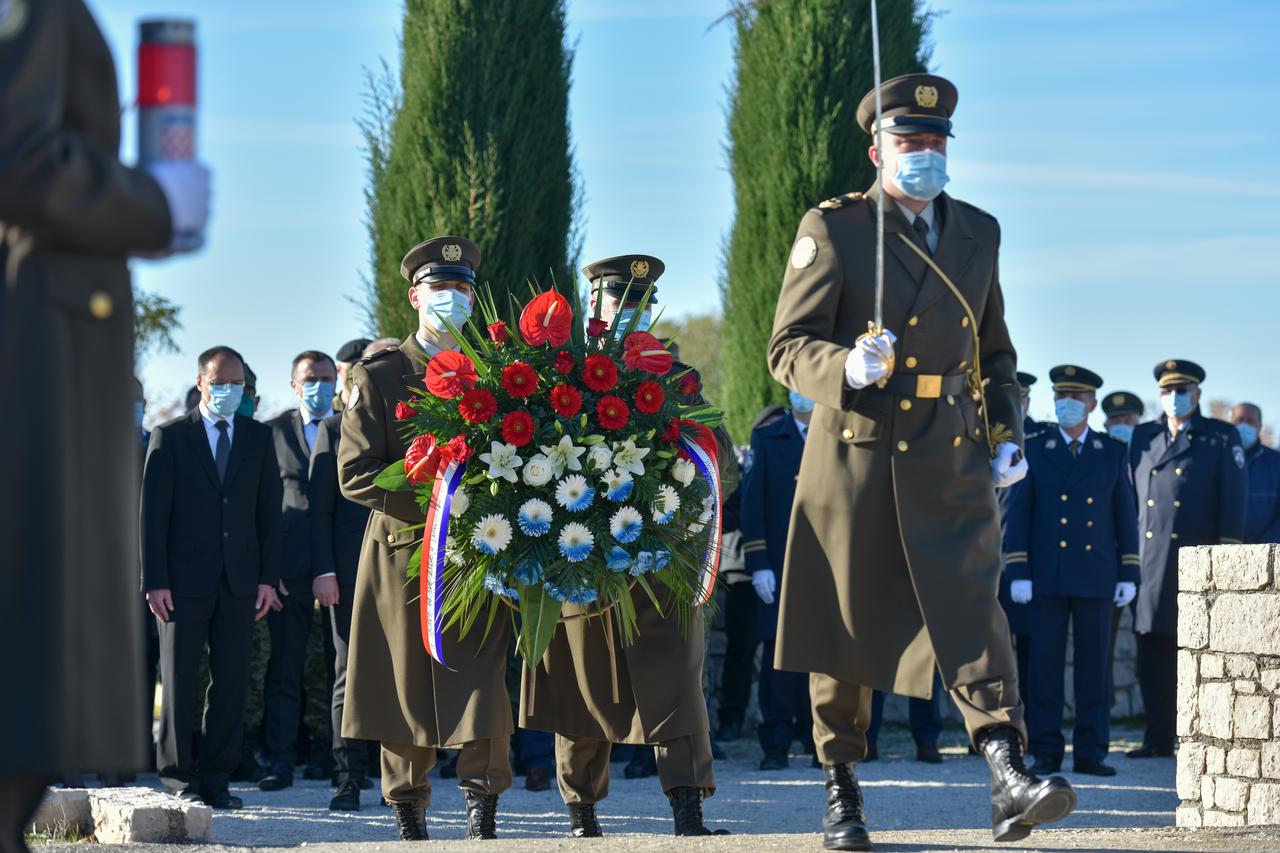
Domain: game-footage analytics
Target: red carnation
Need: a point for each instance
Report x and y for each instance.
(600, 373)
(564, 363)
(566, 400)
(612, 412)
(689, 384)
(498, 332)
(517, 428)
(645, 352)
(519, 379)
(421, 459)
(450, 373)
(672, 432)
(596, 327)
(547, 319)
(459, 448)
(403, 410)
(477, 406)
(649, 397)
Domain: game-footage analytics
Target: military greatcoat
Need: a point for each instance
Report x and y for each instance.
(894, 552)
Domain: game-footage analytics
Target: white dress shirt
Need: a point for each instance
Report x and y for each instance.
(429, 349)
(311, 425)
(802, 427)
(929, 215)
(211, 430)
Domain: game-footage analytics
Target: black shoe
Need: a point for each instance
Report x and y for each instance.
(189, 795)
(729, 730)
(1148, 751)
(775, 759)
(279, 778)
(1093, 767)
(928, 753)
(1044, 765)
(1020, 800)
(844, 827)
(582, 821)
(223, 800)
(686, 808)
(347, 799)
(537, 779)
(482, 816)
(873, 753)
(643, 765)
(411, 821)
(248, 771)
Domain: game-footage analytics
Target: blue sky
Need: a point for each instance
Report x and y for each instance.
(1127, 147)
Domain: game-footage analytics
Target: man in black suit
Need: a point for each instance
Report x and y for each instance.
(313, 378)
(337, 532)
(210, 563)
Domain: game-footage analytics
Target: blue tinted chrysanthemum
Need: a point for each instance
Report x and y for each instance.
(618, 485)
(491, 534)
(528, 572)
(576, 542)
(534, 517)
(618, 560)
(644, 563)
(574, 494)
(626, 525)
(571, 592)
(665, 505)
(495, 584)
(661, 559)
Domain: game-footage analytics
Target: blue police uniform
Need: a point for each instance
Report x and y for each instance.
(1262, 512)
(767, 494)
(1019, 615)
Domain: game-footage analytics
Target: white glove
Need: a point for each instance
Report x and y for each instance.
(1125, 593)
(1004, 471)
(185, 184)
(765, 583)
(1020, 591)
(868, 362)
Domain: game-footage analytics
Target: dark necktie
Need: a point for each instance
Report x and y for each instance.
(922, 228)
(1074, 447)
(222, 450)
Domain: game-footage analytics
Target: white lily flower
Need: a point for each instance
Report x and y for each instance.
(502, 461)
(564, 456)
(627, 457)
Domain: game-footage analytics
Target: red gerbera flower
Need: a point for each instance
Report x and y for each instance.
(564, 363)
(566, 400)
(612, 412)
(517, 428)
(519, 379)
(403, 410)
(689, 384)
(477, 406)
(600, 373)
(459, 448)
(649, 397)
(421, 459)
(672, 432)
(450, 373)
(547, 319)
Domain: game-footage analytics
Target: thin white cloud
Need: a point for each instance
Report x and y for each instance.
(1032, 177)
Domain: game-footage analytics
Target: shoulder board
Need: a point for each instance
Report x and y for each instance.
(770, 416)
(382, 353)
(1096, 434)
(839, 201)
(972, 207)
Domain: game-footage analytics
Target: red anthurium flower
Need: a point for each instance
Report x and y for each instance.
(546, 319)
(596, 327)
(672, 432)
(517, 428)
(689, 384)
(519, 379)
(642, 351)
(566, 400)
(449, 374)
(403, 410)
(649, 397)
(498, 332)
(477, 406)
(612, 412)
(421, 459)
(459, 448)
(564, 363)
(599, 373)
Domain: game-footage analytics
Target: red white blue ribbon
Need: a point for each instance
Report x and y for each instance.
(431, 576)
(706, 465)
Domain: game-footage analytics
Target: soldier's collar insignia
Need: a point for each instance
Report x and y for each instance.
(639, 269)
(1097, 444)
(451, 252)
(1238, 453)
(926, 96)
(1051, 444)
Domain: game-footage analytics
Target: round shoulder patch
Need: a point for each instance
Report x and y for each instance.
(353, 396)
(1238, 453)
(804, 252)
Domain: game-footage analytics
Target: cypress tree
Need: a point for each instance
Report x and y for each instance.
(473, 139)
(802, 66)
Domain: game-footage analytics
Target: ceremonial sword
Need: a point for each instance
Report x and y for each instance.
(875, 327)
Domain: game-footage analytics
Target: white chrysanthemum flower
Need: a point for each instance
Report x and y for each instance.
(628, 457)
(695, 528)
(574, 494)
(705, 516)
(491, 534)
(683, 471)
(502, 461)
(460, 504)
(534, 517)
(538, 471)
(600, 457)
(564, 456)
(576, 542)
(618, 486)
(626, 525)
(666, 504)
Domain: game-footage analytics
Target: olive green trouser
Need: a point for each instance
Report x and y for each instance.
(484, 767)
(582, 766)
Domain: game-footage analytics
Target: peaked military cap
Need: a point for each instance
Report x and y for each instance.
(250, 378)
(352, 351)
(912, 103)
(441, 259)
(1122, 403)
(1025, 381)
(616, 274)
(1070, 377)
(1177, 371)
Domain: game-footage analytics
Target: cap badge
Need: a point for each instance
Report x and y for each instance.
(451, 252)
(1070, 371)
(639, 269)
(1120, 400)
(926, 96)
(1171, 365)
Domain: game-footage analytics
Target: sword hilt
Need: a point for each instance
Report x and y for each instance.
(875, 330)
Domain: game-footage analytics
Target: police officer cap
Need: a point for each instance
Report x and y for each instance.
(1178, 371)
(1026, 380)
(352, 350)
(616, 274)
(441, 259)
(912, 103)
(1122, 403)
(1070, 377)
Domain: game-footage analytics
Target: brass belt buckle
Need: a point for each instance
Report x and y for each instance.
(928, 386)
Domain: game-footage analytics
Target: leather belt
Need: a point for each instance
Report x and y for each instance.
(926, 386)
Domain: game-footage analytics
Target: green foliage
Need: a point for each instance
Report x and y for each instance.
(802, 67)
(155, 320)
(473, 139)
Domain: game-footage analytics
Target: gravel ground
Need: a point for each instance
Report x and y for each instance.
(910, 807)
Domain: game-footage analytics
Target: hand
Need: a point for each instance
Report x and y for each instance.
(868, 362)
(1125, 593)
(765, 584)
(185, 184)
(325, 589)
(1005, 471)
(1020, 591)
(160, 602)
(267, 600)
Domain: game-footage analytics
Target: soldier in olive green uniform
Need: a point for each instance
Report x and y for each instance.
(894, 557)
(649, 692)
(396, 693)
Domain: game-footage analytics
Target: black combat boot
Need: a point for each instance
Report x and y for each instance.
(582, 821)
(411, 820)
(482, 816)
(686, 807)
(844, 827)
(1020, 800)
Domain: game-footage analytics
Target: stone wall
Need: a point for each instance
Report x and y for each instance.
(1229, 686)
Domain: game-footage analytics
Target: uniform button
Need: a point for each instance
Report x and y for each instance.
(101, 306)
(1150, 534)
(391, 539)
(905, 405)
(951, 401)
(1088, 524)
(1177, 504)
(964, 323)
(1062, 544)
(956, 443)
(911, 361)
(1064, 497)
(1178, 471)
(226, 500)
(1088, 547)
(1155, 471)
(1088, 500)
(1063, 520)
(1173, 536)
(226, 534)
(902, 447)
(847, 434)
(913, 321)
(1150, 502)
(962, 365)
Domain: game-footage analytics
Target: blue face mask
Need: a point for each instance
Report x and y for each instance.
(625, 316)
(247, 405)
(317, 396)
(1121, 432)
(139, 412)
(451, 305)
(1070, 411)
(1248, 435)
(921, 174)
(800, 404)
(225, 399)
(1177, 405)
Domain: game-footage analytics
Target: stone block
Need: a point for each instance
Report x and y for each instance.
(1195, 571)
(1188, 817)
(1271, 680)
(1247, 687)
(1275, 716)
(64, 810)
(1242, 666)
(1215, 710)
(1190, 770)
(1222, 819)
(1215, 760)
(1193, 621)
(1242, 761)
(1253, 717)
(1187, 693)
(1212, 665)
(1230, 794)
(1271, 760)
(1239, 566)
(142, 815)
(1264, 804)
(1206, 792)
(1241, 622)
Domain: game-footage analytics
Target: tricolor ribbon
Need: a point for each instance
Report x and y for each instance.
(431, 576)
(706, 464)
